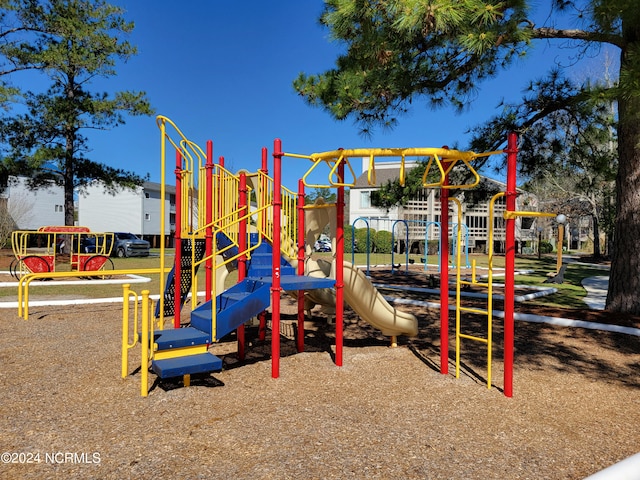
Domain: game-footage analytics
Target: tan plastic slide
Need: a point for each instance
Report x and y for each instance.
(367, 302)
(359, 292)
(362, 296)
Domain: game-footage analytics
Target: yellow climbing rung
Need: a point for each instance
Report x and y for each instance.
(471, 337)
(474, 310)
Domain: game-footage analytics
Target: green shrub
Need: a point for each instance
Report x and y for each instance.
(383, 242)
(347, 239)
(361, 240)
(545, 247)
(433, 247)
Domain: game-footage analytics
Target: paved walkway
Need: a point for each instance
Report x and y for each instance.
(596, 288)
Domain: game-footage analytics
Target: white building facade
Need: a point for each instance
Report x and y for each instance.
(31, 209)
(419, 219)
(130, 210)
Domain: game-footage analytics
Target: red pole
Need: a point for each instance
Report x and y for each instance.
(220, 189)
(262, 317)
(275, 285)
(444, 274)
(178, 243)
(509, 264)
(339, 266)
(301, 234)
(242, 260)
(209, 219)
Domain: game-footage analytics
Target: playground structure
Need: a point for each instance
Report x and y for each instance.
(40, 251)
(250, 222)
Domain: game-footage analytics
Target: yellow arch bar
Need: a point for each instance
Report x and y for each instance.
(333, 159)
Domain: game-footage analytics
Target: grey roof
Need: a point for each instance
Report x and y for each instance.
(155, 187)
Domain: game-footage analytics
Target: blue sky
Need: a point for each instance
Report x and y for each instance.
(223, 70)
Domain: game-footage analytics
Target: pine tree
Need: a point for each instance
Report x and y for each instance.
(72, 42)
(397, 51)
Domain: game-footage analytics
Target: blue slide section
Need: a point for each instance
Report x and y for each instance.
(233, 307)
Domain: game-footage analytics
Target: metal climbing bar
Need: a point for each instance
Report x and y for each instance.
(488, 311)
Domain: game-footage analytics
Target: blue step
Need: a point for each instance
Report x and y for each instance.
(179, 338)
(267, 271)
(261, 263)
(223, 242)
(299, 282)
(233, 307)
(175, 367)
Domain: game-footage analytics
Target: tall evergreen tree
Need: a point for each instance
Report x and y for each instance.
(400, 50)
(72, 42)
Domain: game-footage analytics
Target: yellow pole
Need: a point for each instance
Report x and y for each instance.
(144, 354)
(560, 242)
(125, 328)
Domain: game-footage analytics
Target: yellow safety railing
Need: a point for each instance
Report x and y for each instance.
(25, 282)
(143, 323)
(289, 216)
(192, 190)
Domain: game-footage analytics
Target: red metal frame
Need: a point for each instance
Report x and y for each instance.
(275, 285)
(242, 260)
(178, 242)
(510, 255)
(444, 273)
(301, 239)
(262, 317)
(339, 266)
(208, 265)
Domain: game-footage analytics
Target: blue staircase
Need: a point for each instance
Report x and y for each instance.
(234, 307)
(261, 263)
(183, 351)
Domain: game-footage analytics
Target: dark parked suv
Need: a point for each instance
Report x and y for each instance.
(128, 245)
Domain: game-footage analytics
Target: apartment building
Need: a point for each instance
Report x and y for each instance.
(419, 219)
(135, 210)
(30, 209)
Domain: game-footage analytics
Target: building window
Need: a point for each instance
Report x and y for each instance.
(147, 217)
(365, 200)
(59, 208)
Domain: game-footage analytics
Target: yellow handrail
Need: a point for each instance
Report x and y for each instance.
(146, 334)
(127, 293)
(25, 282)
(146, 355)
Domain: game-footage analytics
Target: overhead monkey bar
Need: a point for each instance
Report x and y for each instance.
(444, 158)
